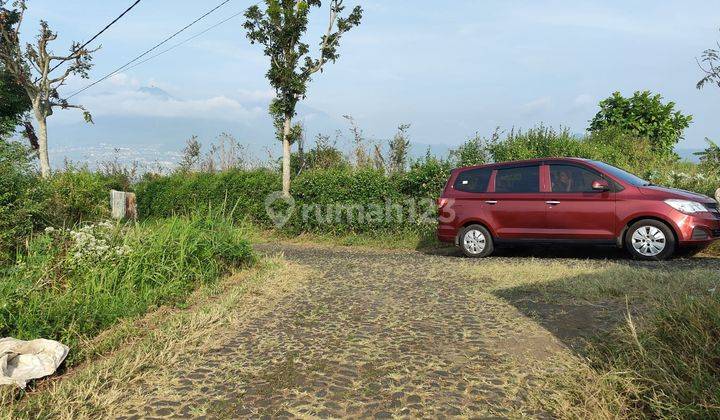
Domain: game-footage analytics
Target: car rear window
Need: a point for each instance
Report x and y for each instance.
(524, 179)
(473, 180)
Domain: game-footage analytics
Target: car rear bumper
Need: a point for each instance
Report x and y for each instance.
(446, 233)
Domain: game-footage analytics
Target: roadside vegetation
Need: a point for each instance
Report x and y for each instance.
(72, 284)
(647, 336)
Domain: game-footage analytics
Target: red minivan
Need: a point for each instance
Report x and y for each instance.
(572, 200)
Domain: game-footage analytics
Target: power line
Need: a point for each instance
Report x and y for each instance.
(186, 41)
(99, 33)
(165, 41)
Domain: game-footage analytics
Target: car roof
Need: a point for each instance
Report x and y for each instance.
(527, 162)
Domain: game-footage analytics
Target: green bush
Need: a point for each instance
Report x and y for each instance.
(537, 142)
(78, 195)
(242, 192)
(21, 198)
(340, 200)
(426, 178)
(72, 285)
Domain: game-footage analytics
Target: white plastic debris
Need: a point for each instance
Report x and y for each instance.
(22, 361)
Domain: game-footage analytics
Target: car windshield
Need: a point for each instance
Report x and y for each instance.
(622, 175)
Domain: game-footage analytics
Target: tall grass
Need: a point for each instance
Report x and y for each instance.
(71, 286)
(669, 366)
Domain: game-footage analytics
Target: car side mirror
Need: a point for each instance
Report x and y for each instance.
(600, 185)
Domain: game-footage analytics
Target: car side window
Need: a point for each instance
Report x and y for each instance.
(473, 180)
(524, 179)
(572, 179)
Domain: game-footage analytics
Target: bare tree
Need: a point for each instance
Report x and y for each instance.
(360, 153)
(35, 68)
(399, 148)
(710, 64)
(227, 153)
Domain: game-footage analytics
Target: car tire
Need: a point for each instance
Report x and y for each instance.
(650, 240)
(476, 241)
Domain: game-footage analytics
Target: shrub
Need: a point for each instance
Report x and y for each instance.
(328, 191)
(74, 284)
(243, 192)
(77, 194)
(426, 178)
(537, 142)
(472, 152)
(21, 198)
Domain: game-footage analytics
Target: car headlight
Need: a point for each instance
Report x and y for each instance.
(686, 206)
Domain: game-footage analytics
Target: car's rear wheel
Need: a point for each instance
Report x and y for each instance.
(650, 240)
(476, 241)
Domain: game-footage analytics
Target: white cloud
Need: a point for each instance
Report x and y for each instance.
(144, 104)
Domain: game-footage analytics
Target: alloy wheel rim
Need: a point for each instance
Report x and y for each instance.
(474, 241)
(649, 241)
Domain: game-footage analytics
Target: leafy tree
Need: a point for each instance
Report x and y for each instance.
(14, 103)
(710, 64)
(279, 29)
(34, 69)
(644, 115)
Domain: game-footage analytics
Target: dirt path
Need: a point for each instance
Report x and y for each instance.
(374, 334)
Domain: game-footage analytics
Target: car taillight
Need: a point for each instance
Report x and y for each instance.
(441, 202)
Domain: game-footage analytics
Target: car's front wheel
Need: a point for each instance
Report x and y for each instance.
(650, 240)
(476, 241)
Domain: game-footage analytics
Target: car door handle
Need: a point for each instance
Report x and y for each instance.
(552, 203)
(491, 202)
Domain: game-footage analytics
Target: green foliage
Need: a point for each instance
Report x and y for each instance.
(324, 155)
(73, 285)
(471, 153)
(537, 142)
(280, 30)
(644, 115)
(710, 157)
(21, 198)
(242, 192)
(426, 178)
(14, 104)
(78, 194)
(356, 189)
(276, 112)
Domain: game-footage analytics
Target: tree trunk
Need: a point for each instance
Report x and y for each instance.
(43, 145)
(286, 156)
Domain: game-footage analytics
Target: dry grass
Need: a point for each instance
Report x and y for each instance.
(146, 352)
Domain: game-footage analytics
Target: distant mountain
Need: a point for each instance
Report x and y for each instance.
(155, 91)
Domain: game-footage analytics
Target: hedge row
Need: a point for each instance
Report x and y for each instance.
(331, 200)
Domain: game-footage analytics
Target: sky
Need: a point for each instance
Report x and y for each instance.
(450, 69)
